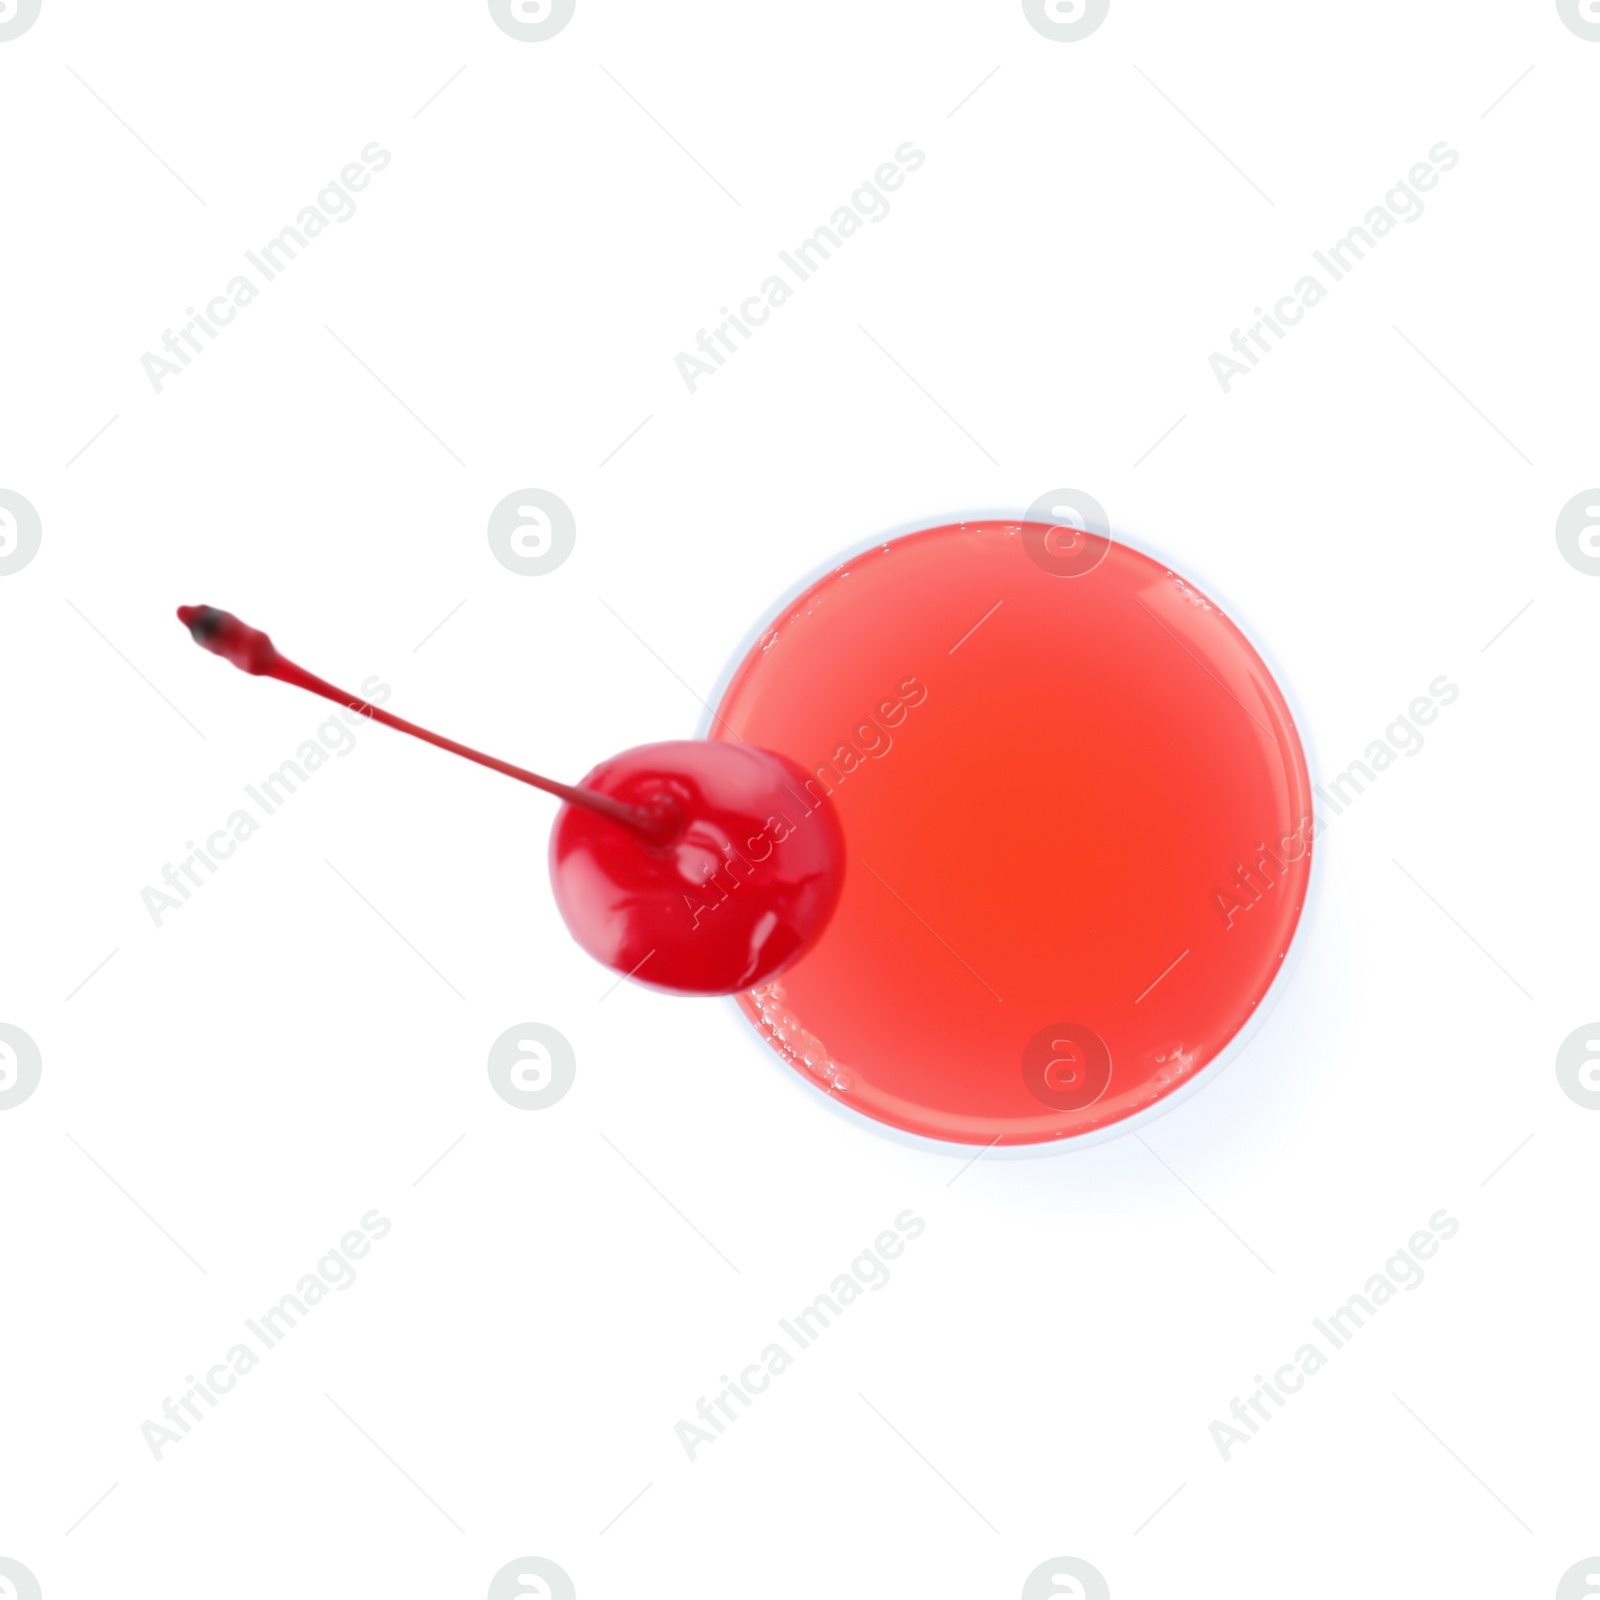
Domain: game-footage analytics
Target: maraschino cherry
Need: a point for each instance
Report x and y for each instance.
(696, 866)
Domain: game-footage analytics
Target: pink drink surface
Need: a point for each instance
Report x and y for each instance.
(1077, 821)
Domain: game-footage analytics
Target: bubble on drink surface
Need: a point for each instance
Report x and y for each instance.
(1174, 1063)
(790, 1037)
(1188, 592)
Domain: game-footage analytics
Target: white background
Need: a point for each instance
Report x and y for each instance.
(230, 1092)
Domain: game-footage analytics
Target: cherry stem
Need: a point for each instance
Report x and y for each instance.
(252, 651)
